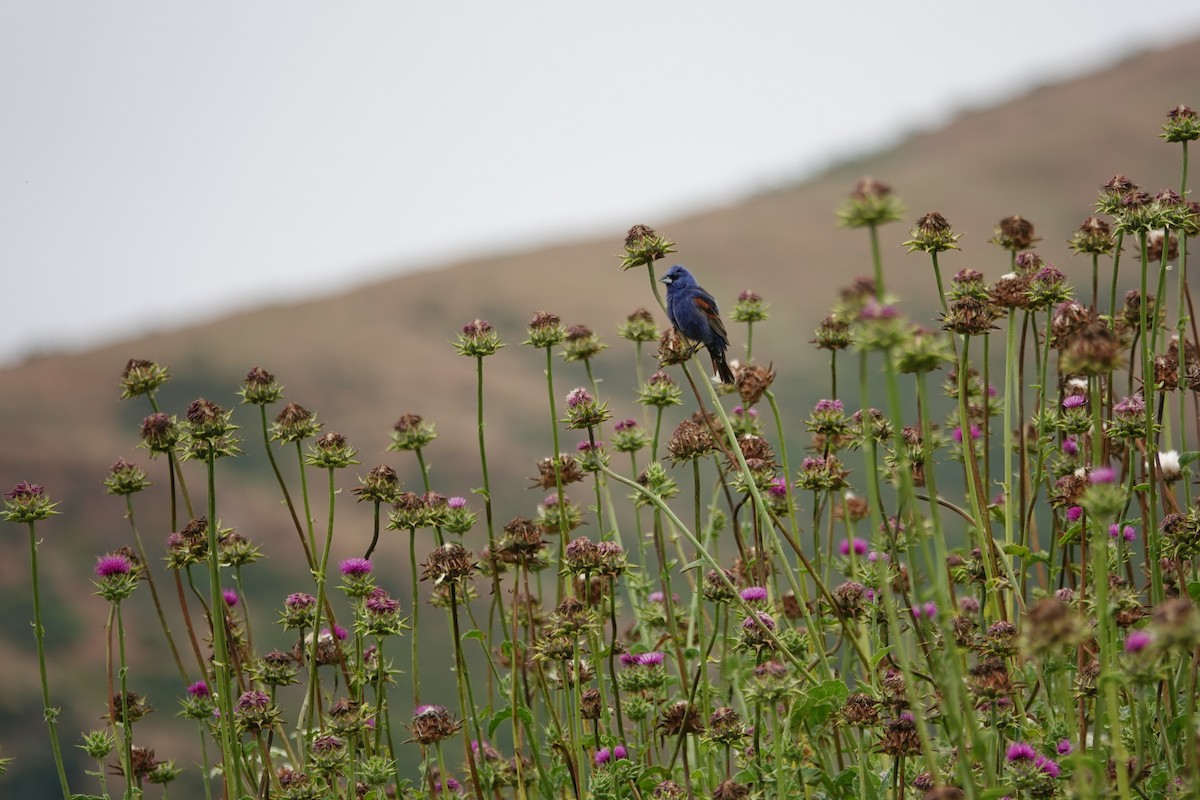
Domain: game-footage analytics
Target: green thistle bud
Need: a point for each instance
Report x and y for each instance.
(478, 339)
(870, 203)
(545, 330)
(749, 308)
(142, 377)
(639, 327)
(584, 411)
(660, 391)
(1014, 234)
(380, 486)
(331, 451)
(125, 478)
(643, 247)
(98, 744)
(581, 344)
(1092, 237)
(1182, 125)
(209, 431)
(932, 234)
(411, 433)
(260, 388)
(27, 502)
(655, 479)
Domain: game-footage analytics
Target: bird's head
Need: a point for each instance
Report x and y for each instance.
(676, 273)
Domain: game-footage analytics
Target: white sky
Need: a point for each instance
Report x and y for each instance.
(167, 162)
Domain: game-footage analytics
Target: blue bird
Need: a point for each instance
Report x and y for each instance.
(694, 314)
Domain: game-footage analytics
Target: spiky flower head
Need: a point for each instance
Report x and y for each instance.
(1182, 125)
(690, 441)
(545, 330)
(331, 451)
(254, 712)
(381, 485)
(125, 478)
(1014, 234)
(294, 423)
(210, 431)
(160, 432)
(433, 723)
(643, 247)
(379, 615)
(411, 433)
(922, 351)
(870, 203)
(300, 611)
(639, 327)
(581, 344)
(655, 480)
(1092, 237)
(118, 577)
(142, 377)
(450, 563)
(27, 502)
(749, 308)
(833, 334)
(584, 411)
(629, 437)
(260, 388)
(553, 472)
(478, 339)
(660, 391)
(932, 234)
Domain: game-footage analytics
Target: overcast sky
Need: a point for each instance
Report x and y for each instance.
(166, 162)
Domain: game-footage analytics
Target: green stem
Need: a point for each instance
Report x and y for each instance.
(49, 712)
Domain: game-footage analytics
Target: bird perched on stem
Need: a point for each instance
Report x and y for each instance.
(694, 314)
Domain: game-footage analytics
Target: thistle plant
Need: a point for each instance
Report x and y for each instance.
(869, 590)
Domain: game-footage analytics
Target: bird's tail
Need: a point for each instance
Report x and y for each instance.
(721, 366)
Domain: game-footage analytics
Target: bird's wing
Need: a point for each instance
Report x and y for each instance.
(708, 306)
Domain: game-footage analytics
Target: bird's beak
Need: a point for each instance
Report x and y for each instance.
(665, 279)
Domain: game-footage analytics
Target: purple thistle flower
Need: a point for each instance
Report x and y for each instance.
(579, 397)
(1020, 751)
(1131, 407)
(655, 597)
(626, 425)
(620, 752)
(356, 568)
(199, 689)
(859, 546)
(1074, 513)
(973, 429)
(778, 488)
(1048, 766)
(1137, 641)
(456, 503)
(651, 659)
(231, 597)
(298, 601)
(1070, 446)
(754, 594)
(750, 623)
(968, 605)
(629, 659)
(113, 564)
(1102, 475)
(603, 756)
(1074, 401)
(1064, 747)
(338, 631)
(931, 610)
(828, 407)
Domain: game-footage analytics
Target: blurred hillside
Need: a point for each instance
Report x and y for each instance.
(362, 358)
